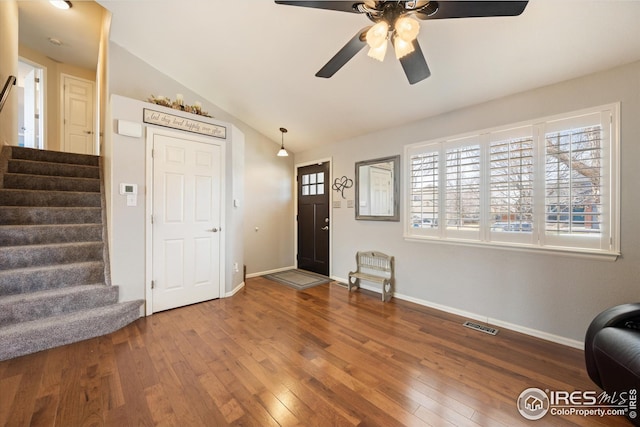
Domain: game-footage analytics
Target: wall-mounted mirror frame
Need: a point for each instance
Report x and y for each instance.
(378, 189)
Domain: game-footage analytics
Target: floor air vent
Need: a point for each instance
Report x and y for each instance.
(482, 328)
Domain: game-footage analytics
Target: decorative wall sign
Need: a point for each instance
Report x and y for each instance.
(181, 123)
(340, 184)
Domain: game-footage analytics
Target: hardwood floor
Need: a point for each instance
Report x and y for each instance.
(273, 356)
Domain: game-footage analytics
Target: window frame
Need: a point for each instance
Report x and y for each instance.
(539, 239)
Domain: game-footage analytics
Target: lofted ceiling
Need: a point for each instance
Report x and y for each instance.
(257, 60)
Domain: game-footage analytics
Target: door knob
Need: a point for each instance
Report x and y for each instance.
(215, 230)
(325, 228)
(88, 132)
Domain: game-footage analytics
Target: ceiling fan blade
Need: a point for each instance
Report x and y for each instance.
(471, 9)
(343, 56)
(414, 65)
(341, 6)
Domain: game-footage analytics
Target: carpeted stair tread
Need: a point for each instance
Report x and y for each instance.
(53, 156)
(32, 167)
(49, 198)
(53, 302)
(54, 272)
(29, 337)
(15, 235)
(33, 279)
(15, 257)
(17, 215)
(54, 183)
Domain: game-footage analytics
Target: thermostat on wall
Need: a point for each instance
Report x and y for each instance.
(128, 188)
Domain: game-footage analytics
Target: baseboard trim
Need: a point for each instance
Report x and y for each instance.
(235, 290)
(262, 273)
(474, 316)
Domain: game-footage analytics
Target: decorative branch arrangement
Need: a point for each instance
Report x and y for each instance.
(179, 104)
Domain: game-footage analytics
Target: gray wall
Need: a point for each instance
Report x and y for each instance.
(551, 296)
(267, 189)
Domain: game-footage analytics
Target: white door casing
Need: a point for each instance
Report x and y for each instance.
(30, 100)
(188, 215)
(78, 115)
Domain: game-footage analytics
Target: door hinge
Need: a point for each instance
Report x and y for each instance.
(151, 219)
(296, 217)
(153, 284)
(153, 153)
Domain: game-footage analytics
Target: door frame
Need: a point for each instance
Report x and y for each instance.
(295, 209)
(43, 114)
(150, 132)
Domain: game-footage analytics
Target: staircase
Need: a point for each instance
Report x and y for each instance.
(54, 272)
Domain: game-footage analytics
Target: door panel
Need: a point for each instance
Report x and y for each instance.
(313, 218)
(78, 116)
(187, 212)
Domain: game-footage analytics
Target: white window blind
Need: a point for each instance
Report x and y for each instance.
(462, 189)
(424, 191)
(511, 180)
(551, 184)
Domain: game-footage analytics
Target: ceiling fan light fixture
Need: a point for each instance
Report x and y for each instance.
(61, 4)
(378, 52)
(377, 34)
(407, 28)
(402, 47)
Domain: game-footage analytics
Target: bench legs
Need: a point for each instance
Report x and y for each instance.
(353, 283)
(387, 287)
(387, 290)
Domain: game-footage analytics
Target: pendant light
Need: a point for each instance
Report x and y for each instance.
(282, 152)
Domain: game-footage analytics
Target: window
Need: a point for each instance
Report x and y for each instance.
(547, 185)
(462, 188)
(313, 184)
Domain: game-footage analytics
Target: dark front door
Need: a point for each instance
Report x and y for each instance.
(313, 218)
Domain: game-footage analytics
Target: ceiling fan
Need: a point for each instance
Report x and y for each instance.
(395, 22)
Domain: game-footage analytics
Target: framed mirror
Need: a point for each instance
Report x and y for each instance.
(378, 189)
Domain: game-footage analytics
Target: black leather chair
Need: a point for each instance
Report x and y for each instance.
(612, 350)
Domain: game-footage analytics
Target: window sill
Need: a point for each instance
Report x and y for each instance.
(593, 254)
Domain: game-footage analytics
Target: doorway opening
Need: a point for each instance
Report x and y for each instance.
(31, 106)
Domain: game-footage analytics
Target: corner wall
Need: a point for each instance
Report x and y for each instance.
(551, 296)
(268, 189)
(9, 67)
(127, 163)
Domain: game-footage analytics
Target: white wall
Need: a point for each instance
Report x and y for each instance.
(551, 296)
(268, 189)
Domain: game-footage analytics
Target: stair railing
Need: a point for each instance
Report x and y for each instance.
(11, 81)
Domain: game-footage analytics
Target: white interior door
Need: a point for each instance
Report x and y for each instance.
(78, 123)
(187, 220)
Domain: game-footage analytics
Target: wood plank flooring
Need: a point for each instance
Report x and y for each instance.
(272, 356)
